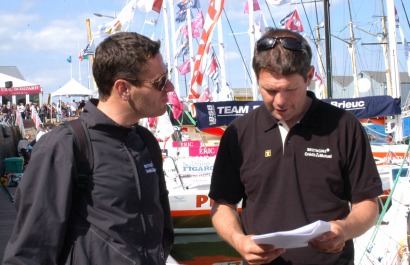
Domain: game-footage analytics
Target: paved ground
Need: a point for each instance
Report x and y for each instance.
(7, 217)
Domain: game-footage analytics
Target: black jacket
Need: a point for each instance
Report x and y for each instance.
(122, 217)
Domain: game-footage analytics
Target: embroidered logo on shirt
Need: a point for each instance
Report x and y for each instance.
(319, 153)
(149, 168)
(268, 153)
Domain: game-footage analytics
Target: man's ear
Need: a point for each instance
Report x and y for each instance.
(122, 88)
(310, 75)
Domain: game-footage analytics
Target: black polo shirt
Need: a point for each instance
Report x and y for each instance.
(326, 163)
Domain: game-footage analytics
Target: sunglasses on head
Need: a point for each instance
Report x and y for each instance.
(159, 83)
(288, 43)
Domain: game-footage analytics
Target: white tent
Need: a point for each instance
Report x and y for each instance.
(16, 81)
(72, 89)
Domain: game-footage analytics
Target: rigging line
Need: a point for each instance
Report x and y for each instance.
(317, 17)
(243, 60)
(317, 42)
(270, 13)
(405, 12)
(310, 27)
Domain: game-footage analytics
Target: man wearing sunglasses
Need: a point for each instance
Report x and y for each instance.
(119, 213)
(293, 161)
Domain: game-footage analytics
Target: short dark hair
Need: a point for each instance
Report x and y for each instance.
(282, 61)
(122, 55)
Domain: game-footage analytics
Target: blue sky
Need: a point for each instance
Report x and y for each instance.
(37, 36)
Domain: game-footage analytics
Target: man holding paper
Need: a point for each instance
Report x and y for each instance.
(293, 161)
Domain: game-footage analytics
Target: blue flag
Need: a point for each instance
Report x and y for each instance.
(69, 59)
(182, 50)
(185, 4)
(181, 16)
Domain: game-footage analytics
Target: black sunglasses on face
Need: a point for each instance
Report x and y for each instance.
(159, 83)
(286, 42)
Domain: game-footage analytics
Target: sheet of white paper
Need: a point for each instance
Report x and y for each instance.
(297, 238)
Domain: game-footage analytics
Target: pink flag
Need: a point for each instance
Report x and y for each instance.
(152, 122)
(184, 31)
(185, 67)
(177, 107)
(197, 24)
(318, 78)
(206, 95)
(256, 6)
(293, 22)
(214, 12)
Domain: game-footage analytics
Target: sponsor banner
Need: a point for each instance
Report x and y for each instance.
(20, 90)
(189, 165)
(214, 114)
(203, 151)
(195, 165)
(191, 143)
(189, 172)
(368, 107)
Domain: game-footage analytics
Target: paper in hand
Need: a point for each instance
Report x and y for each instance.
(297, 238)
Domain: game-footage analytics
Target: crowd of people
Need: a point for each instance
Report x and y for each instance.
(45, 111)
(26, 144)
(8, 113)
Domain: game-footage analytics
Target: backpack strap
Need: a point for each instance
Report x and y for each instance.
(83, 151)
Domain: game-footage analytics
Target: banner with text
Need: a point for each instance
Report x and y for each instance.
(368, 107)
(20, 90)
(214, 114)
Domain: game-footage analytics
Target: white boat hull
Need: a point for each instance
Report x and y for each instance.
(388, 242)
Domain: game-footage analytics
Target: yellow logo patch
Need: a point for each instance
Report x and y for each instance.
(268, 153)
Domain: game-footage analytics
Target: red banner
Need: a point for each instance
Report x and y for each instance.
(36, 89)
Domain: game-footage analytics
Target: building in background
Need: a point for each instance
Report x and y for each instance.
(15, 89)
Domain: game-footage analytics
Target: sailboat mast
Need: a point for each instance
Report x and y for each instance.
(393, 49)
(190, 40)
(319, 52)
(175, 80)
(391, 21)
(386, 54)
(252, 46)
(167, 44)
(383, 42)
(221, 58)
(326, 6)
(353, 54)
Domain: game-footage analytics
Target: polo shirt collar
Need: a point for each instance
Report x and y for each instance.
(268, 120)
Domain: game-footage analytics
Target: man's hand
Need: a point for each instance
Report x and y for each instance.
(256, 254)
(332, 241)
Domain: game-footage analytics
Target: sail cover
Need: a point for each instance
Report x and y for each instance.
(368, 107)
(221, 113)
